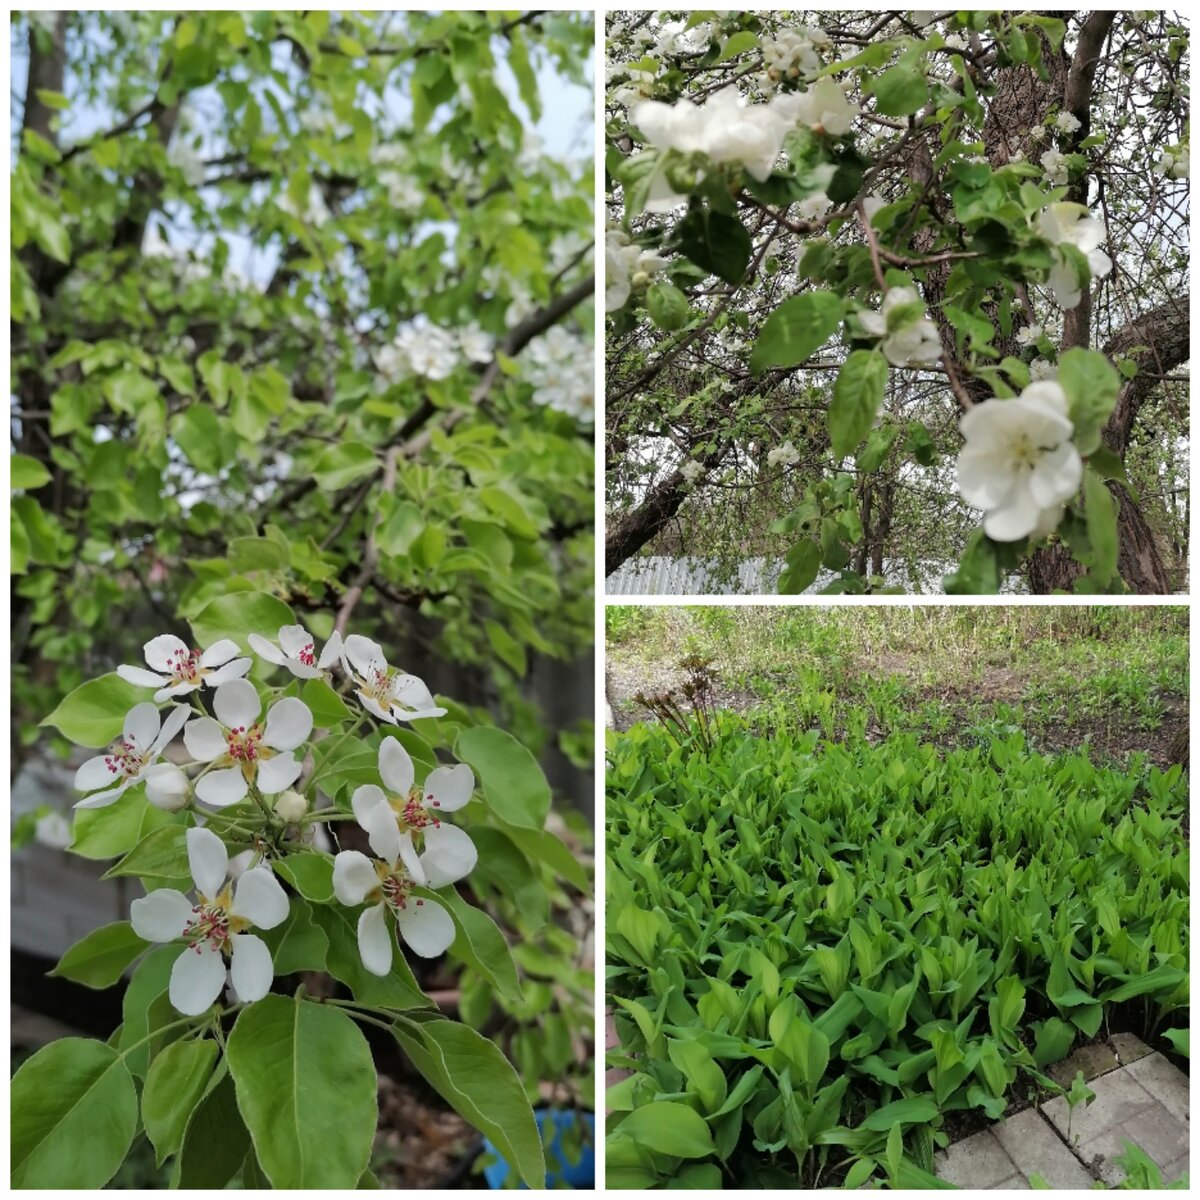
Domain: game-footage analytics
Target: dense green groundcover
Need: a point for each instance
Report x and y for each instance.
(818, 952)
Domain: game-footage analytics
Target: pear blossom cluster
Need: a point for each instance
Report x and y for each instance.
(1067, 224)
(243, 751)
(431, 352)
(726, 130)
(1018, 462)
(558, 365)
(906, 340)
(793, 53)
(1173, 162)
(626, 266)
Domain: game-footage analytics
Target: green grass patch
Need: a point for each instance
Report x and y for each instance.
(818, 953)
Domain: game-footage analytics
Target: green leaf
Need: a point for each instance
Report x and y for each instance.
(257, 554)
(900, 91)
(175, 1084)
(796, 329)
(216, 1140)
(299, 944)
(1164, 978)
(738, 43)
(311, 874)
(344, 464)
(479, 1083)
(1092, 385)
(93, 714)
(238, 614)
(543, 846)
(1101, 512)
(197, 433)
(326, 706)
(26, 473)
(145, 1007)
(100, 959)
(857, 396)
(73, 1115)
(1055, 1037)
(19, 545)
(162, 853)
(114, 830)
(717, 243)
(913, 1110)
(667, 1127)
(1179, 1039)
(514, 786)
(306, 1087)
(667, 305)
(479, 943)
(1107, 464)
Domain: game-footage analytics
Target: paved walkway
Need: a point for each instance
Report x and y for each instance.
(1140, 1098)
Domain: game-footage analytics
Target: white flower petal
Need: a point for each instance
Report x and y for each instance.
(141, 726)
(94, 774)
(205, 739)
(236, 704)
(196, 979)
(374, 940)
(175, 720)
(411, 859)
(293, 639)
(265, 649)
(176, 689)
(426, 926)
(332, 651)
(163, 651)
(104, 799)
(167, 787)
(1017, 518)
(289, 722)
(219, 653)
(1057, 476)
(448, 789)
(449, 855)
(258, 897)
(279, 773)
(208, 861)
(140, 677)
(250, 967)
(162, 916)
(372, 706)
(231, 670)
(222, 788)
(374, 814)
(354, 877)
(365, 656)
(396, 767)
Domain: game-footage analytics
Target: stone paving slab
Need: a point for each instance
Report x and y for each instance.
(1029, 1139)
(1144, 1102)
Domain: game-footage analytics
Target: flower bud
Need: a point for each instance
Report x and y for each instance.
(291, 806)
(773, 75)
(639, 279)
(793, 72)
(167, 787)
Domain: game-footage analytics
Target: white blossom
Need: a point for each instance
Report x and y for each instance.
(823, 108)
(290, 806)
(915, 341)
(786, 455)
(1041, 369)
(1066, 122)
(405, 812)
(476, 345)
(692, 470)
(791, 50)
(1037, 132)
(1069, 224)
(176, 670)
(1055, 164)
(314, 211)
(387, 694)
(427, 351)
(167, 786)
(955, 41)
(813, 207)
(623, 260)
(215, 927)
(296, 651)
(558, 364)
(1019, 464)
(244, 750)
(1029, 334)
(131, 758)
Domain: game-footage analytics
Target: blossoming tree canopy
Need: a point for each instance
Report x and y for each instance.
(302, 303)
(307, 834)
(891, 293)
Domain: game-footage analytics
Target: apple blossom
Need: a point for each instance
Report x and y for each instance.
(692, 470)
(406, 812)
(915, 341)
(1066, 122)
(623, 260)
(243, 750)
(296, 651)
(791, 49)
(1028, 334)
(131, 758)
(387, 884)
(1056, 166)
(1019, 464)
(1069, 224)
(823, 108)
(214, 928)
(787, 455)
(175, 670)
(387, 694)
